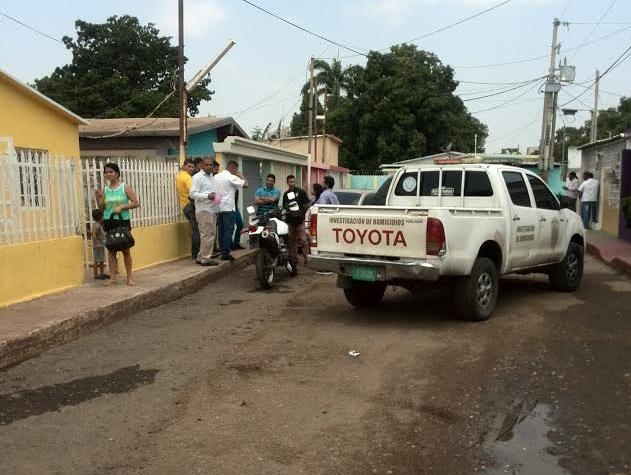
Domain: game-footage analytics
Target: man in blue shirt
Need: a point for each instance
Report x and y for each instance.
(328, 197)
(267, 197)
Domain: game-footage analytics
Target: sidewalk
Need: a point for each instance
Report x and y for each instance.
(30, 328)
(613, 252)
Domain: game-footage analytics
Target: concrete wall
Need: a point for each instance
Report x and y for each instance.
(35, 124)
(161, 243)
(199, 144)
(327, 150)
(37, 268)
(40, 267)
(603, 160)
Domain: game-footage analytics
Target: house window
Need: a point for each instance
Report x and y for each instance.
(31, 163)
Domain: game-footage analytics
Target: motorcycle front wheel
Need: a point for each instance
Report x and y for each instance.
(265, 269)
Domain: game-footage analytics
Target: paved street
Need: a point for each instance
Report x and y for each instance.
(236, 380)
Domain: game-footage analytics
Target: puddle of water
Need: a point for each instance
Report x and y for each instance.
(522, 445)
(33, 402)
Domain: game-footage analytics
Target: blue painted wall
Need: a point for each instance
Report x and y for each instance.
(199, 144)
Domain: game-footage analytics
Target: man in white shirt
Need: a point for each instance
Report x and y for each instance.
(228, 181)
(571, 190)
(588, 192)
(205, 193)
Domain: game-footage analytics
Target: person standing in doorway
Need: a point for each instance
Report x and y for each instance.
(571, 190)
(183, 182)
(228, 181)
(328, 197)
(267, 197)
(296, 221)
(116, 201)
(204, 192)
(588, 191)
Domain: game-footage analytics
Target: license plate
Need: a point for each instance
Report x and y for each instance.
(367, 274)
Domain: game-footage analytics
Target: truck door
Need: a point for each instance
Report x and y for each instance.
(552, 224)
(524, 222)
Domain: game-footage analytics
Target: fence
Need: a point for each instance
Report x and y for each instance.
(39, 197)
(153, 181)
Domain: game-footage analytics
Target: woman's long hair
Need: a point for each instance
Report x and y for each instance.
(317, 190)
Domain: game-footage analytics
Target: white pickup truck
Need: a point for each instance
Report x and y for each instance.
(467, 224)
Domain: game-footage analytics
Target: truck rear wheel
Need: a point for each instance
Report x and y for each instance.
(566, 276)
(365, 294)
(476, 295)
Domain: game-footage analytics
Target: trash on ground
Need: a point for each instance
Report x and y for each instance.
(353, 353)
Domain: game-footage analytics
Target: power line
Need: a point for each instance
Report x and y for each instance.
(281, 88)
(497, 83)
(305, 29)
(619, 60)
(32, 28)
(594, 28)
(439, 30)
(535, 58)
(503, 91)
(509, 101)
(600, 90)
(569, 2)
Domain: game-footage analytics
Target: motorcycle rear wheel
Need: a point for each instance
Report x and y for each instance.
(265, 269)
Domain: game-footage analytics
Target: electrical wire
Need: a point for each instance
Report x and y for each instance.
(510, 101)
(606, 12)
(535, 58)
(32, 28)
(618, 61)
(459, 22)
(348, 48)
(504, 91)
(569, 2)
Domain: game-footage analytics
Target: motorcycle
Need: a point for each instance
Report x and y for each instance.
(270, 234)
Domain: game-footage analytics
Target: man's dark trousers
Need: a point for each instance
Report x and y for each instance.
(237, 232)
(189, 212)
(226, 229)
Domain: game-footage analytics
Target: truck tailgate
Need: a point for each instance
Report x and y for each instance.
(375, 231)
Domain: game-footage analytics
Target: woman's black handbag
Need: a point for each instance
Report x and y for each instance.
(119, 237)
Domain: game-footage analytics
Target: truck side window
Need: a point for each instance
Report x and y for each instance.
(407, 184)
(543, 197)
(452, 183)
(517, 189)
(429, 183)
(477, 184)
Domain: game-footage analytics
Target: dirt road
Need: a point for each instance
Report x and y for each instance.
(236, 380)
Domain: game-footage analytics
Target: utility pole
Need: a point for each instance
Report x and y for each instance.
(552, 88)
(324, 127)
(594, 129)
(310, 124)
(180, 72)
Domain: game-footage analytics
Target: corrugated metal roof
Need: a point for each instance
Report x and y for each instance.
(153, 127)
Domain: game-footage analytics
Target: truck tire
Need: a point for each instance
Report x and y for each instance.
(566, 276)
(365, 294)
(476, 295)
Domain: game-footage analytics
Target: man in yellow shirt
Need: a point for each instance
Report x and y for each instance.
(183, 186)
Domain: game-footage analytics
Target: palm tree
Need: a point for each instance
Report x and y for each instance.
(329, 79)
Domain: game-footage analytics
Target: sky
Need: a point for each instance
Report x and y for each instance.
(259, 80)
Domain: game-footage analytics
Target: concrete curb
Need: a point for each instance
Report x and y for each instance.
(21, 348)
(617, 264)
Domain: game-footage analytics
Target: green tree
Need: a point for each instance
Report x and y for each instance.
(119, 69)
(401, 105)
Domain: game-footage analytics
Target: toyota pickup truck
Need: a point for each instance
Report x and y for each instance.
(464, 224)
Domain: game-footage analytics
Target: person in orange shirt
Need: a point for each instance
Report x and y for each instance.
(183, 186)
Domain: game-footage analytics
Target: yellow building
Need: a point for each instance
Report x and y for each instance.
(40, 245)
